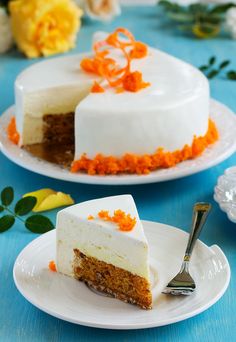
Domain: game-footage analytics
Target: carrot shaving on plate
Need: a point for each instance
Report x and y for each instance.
(108, 68)
(12, 133)
(52, 266)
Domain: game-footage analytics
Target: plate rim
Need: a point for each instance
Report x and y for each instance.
(130, 326)
(120, 179)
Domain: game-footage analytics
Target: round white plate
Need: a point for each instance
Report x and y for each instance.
(225, 193)
(71, 300)
(223, 117)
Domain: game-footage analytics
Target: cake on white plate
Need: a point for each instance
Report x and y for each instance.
(129, 109)
(102, 243)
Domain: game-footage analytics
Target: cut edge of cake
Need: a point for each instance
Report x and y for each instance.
(96, 252)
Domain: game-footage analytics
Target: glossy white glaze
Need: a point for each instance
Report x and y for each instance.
(166, 114)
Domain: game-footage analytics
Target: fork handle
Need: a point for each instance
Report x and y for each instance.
(200, 213)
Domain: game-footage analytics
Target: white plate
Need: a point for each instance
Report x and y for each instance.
(225, 193)
(223, 117)
(71, 300)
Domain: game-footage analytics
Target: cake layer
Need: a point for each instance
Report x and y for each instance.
(58, 129)
(101, 239)
(113, 280)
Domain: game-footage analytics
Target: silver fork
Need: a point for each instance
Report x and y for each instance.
(183, 283)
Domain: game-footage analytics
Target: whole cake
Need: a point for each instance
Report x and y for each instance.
(102, 243)
(125, 108)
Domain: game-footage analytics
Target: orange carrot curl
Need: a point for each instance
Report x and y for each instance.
(96, 88)
(108, 68)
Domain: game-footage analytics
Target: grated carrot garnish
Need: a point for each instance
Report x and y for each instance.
(108, 68)
(96, 88)
(134, 82)
(12, 133)
(125, 222)
(52, 266)
(144, 164)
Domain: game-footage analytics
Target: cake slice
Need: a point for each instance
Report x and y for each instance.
(102, 243)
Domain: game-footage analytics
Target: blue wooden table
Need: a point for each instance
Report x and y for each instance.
(169, 202)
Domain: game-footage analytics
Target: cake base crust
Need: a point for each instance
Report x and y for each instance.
(107, 278)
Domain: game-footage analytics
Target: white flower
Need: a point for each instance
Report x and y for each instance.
(6, 39)
(230, 21)
(103, 10)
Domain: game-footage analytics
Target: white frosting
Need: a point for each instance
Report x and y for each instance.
(167, 114)
(100, 239)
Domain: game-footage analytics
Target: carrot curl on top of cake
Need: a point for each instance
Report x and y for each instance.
(103, 65)
(125, 222)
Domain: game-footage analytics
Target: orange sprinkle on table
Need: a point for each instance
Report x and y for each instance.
(125, 222)
(108, 68)
(96, 88)
(52, 266)
(144, 164)
(90, 217)
(12, 133)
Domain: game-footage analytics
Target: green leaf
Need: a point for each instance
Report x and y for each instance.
(25, 205)
(6, 222)
(38, 224)
(212, 60)
(7, 195)
(224, 64)
(198, 8)
(213, 73)
(1, 208)
(204, 67)
(231, 75)
(181, 17)
(221, 9)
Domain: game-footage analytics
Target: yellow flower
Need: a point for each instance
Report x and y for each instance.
(44, 27)
(48, 199)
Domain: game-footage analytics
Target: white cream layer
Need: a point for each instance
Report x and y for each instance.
(54, 86)
(100, 239)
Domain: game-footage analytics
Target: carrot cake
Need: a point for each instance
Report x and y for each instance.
(126, 107)
(102, 243)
